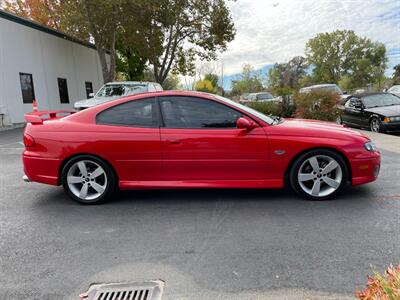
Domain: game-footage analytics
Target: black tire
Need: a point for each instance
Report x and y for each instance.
(293, 173)
(372, 122)
(110, 185)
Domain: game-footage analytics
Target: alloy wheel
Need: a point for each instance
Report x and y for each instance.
(87, 180)
(320, 175)
(375, 126)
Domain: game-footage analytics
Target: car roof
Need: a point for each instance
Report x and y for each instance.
(366, 94)
(130, 82)
(320, 85)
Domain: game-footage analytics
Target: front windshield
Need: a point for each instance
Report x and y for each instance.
(380, 100)
(264, 96)
(251, 111)
(112, 90)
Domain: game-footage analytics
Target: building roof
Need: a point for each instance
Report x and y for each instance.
(35, 25)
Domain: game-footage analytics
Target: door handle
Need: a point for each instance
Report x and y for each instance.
(174, 142)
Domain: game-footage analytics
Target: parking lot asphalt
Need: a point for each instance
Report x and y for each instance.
(205, 244)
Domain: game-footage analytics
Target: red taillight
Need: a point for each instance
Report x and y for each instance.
(28, 140)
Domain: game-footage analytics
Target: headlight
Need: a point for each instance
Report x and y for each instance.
(370, 146)
(392, 119)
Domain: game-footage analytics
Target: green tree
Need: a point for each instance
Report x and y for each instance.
(396, 74)
(173, 33)
(129, 64)
(249, 82)
(343, 53)
(287, 74)
(213, 78)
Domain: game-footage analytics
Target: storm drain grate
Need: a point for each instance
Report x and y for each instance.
(151, 290)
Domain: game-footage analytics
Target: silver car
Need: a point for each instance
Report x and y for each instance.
(394, 90)
(115, 90)
(328, 87)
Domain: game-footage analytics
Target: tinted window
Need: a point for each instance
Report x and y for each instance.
(28, 92)
(63, 90)
(190, 112)
(89, 88)
(139, 113)
(381, 100)
(264, 96)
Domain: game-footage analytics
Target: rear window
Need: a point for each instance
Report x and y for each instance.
(137, 113)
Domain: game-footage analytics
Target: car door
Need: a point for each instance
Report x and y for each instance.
(200, 141)
(129, 137)
(352, 112)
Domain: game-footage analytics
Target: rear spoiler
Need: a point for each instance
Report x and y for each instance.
(35, 117)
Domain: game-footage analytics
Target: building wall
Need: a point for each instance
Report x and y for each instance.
(46, 57)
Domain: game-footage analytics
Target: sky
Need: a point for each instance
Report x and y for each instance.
(270, 31)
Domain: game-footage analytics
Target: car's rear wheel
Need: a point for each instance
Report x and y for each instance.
(88, 179)
(318, 174)
(375, 125)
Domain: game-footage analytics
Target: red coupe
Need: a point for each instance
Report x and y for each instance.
(191, 140)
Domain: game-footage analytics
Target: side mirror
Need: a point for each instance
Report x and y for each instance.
(359, 107)
(91, 95)
(344, 92)
(243, 123)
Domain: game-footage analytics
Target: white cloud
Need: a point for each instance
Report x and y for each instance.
(270, 31)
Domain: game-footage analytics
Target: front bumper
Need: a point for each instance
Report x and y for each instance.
(365, 170)
(390, 126)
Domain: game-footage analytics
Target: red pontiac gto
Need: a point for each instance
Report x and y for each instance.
(191, 140)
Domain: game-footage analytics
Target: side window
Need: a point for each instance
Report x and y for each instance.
(63, 90)
(136, 113)
(191, 112)
(28, 92)
(350, 103)
(159, 87)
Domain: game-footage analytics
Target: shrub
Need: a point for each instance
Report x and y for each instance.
(317, 105)
(267, 108)
(382, 287)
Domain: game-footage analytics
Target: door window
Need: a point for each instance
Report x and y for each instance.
(352, 103)
(191, 112)
(136, 113)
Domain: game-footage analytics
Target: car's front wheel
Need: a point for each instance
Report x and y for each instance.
(88, 179)
(375, 125)
(318, 174)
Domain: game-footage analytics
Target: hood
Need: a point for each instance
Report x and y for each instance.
(94, 101)
(314, 128)
(387, 111)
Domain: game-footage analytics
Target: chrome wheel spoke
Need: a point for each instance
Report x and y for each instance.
(330, 167)
(316, 188)
(100, 189)
(84, 191)
(99, 171)
(331, 182)
(74, 179)
(314, 163)
(82, 168)
(320, 175)
(306, 177)
(87, 180)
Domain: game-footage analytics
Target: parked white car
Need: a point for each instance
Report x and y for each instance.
(115, 90)
(395, 90)
(329, 87)
(263, 97)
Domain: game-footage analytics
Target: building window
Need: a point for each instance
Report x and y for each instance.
(89, 89)
(28, 92)
(63, 90)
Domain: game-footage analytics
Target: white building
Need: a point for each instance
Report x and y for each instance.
(37, 62)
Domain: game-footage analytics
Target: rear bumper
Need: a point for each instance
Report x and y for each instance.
(39, 169)
(366, 170)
